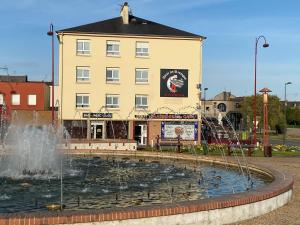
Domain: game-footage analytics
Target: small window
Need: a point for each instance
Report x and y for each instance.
(222, 107)
(15, 99)
(1, 99)
(142, 49)
(82, 74)
(141, 101)
(113, 48)
(31, 99)
(112, 101)
(141, 76)
(82, 100)
(112, 75)
(83, 47)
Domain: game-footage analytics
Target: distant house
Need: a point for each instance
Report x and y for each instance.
(17, 94)
(224, 105)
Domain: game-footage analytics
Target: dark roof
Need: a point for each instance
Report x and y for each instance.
(136, 26)
(9, 78)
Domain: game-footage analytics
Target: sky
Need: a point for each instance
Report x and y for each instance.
(231, 28)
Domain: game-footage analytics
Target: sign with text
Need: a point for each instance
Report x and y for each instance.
(173, 83)
(96, 115)
(187, 130)
(168, 116)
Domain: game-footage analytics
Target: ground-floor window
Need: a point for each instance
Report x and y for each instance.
(117, 129)
(76, 128)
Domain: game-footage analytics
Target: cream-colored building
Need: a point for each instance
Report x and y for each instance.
(130, 78)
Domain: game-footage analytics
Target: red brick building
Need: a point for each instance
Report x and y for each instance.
(17, 93)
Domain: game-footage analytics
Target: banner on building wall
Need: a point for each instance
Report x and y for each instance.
(173, 83)
(167, 116)
(187, 130)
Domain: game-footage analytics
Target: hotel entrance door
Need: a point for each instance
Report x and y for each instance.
(97, 130)
(140, 134)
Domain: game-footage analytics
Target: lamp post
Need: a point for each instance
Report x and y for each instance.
(285, 106)
(51, 33)
(204, 100)
(267, 147)
(265, 45)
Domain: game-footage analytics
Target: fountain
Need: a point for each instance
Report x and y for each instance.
(31, 152)
(36, 177)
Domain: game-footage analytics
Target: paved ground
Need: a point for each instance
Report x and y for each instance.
(290, 213)
(287, 142)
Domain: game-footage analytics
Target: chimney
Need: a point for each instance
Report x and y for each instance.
(125, 13)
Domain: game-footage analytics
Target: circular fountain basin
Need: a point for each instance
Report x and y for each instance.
(144, 187)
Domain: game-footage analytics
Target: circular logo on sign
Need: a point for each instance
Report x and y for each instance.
(173, 83)
(179, 131)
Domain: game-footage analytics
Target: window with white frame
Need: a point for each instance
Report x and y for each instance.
(141, 76)
(112, 101)
(31, 99)
(141, 101)
(83, 47)
(82, 100)
(82, 73)
(113, 48)
(142, 49)
(1, 99)
(15, 99)
(112, 75)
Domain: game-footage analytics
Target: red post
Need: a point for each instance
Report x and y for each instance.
(51, 33)
(265, 45)
(267, 149)
(254, 100)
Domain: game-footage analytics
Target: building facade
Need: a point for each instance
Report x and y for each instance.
(130, 78)
(224, 106)
(23, 101)
(17, 93)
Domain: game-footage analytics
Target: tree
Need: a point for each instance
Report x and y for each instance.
(293, 116)
(275, 112)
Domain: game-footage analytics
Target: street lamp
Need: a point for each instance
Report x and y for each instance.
(285, 105)
(265, 45)
(51, 33)
(205, 89)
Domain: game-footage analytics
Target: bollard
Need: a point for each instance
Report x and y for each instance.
(78, 201)
(205, 147)
(229, 150)
(268, 151)
(250, 150)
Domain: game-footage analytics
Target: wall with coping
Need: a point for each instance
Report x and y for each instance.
(211, 217)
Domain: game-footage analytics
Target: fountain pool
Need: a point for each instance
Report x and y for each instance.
(112, 182)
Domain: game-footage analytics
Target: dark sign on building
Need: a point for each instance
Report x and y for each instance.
(173, 83)
(97, 115)
(168, 116)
